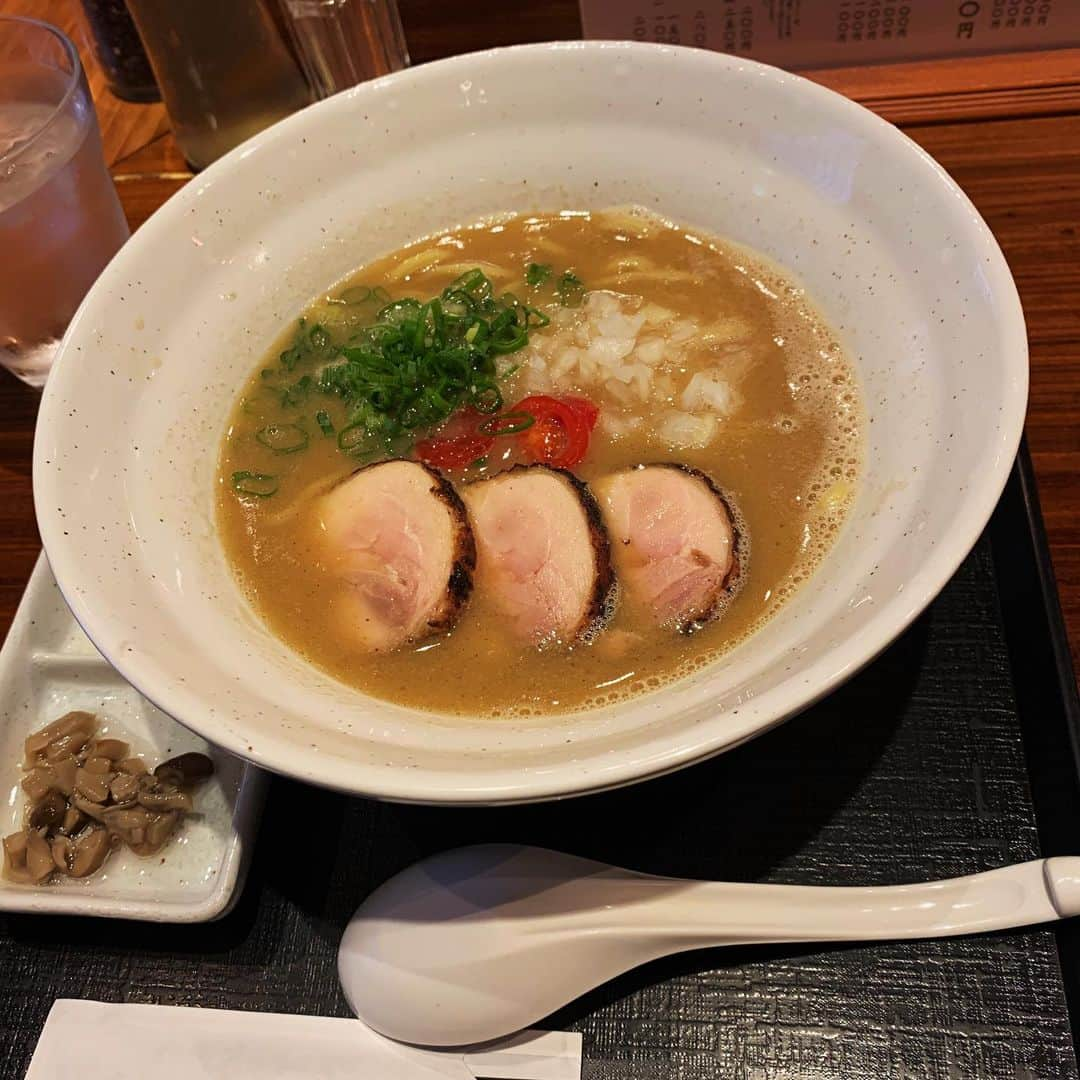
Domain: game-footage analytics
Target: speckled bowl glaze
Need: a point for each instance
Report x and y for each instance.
(130, 424)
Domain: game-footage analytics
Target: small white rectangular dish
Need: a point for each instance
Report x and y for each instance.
(48, 666)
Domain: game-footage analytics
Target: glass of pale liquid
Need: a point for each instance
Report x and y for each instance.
(229, 68)
(60, 218)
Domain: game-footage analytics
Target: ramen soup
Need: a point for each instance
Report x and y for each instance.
(540, 463)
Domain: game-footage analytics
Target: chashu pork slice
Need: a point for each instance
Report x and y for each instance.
(675, 542)
(542, 553)
(398, 535)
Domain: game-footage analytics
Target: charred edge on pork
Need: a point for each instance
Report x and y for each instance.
(459, 586)
(734, 578)
(601, 599)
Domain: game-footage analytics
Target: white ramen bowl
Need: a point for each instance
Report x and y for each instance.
(134, 412)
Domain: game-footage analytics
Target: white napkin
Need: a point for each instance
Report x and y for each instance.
(90, 1040)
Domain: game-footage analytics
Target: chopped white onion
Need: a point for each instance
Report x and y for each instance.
(654, 314)
(685, 431)
(632, 356)
(709, 391)
(683, 330)
(650, 351)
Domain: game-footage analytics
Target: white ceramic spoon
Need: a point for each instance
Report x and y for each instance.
(480, 942)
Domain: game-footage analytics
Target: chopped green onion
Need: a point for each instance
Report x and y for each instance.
(295, 352)
(479, 463)
(569, 289)
(319, 339)
(398, 311)
(509, 340)
(487, 399)
(473, 283)
(297, 393)
(404, 372)
(509, 423)
(357, 294)
(282, 438)
(417, 363)
(355, 440)
(536, 274)
(261, 485)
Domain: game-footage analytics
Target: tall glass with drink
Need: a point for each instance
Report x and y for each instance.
(60, 218)
(228, 70)
(225, 70)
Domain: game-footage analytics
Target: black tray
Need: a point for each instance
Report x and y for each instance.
(955, 752)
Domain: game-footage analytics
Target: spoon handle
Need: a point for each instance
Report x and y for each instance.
(719, 913)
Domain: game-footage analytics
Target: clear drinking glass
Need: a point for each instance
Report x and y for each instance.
(60, 218)
(225, 68)
(343, 42)
(229, 69)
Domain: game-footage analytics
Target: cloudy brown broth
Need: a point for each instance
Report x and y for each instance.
(786, 452)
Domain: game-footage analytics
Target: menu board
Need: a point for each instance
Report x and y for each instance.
(835, 33)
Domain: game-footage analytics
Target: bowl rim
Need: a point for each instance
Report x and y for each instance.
(659, 754)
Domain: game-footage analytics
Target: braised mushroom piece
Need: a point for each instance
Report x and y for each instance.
(88, 796)
(185, 769)
(61, 739)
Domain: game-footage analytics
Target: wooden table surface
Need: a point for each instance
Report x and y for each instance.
(1007, 130)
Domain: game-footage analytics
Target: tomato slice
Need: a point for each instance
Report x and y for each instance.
(453, 453)
(589, 412)
(559, 435)
(458, 444)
